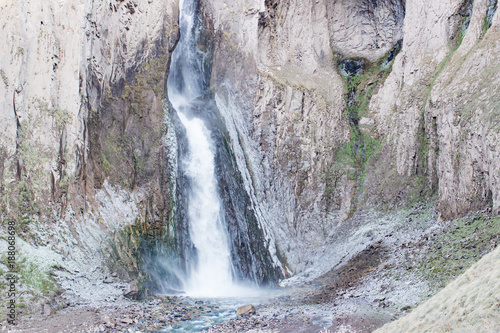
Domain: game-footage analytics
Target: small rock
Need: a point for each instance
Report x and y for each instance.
(108, 321)
(127, 320)
(114, 274)
(47, 310)
(246, 310)
(133, 291)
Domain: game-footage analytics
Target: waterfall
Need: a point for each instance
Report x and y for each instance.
(211, 274)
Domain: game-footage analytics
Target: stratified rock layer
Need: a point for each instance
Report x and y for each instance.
(87, 153)
(433, 119)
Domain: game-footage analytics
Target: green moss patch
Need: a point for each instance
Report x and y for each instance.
(34, 268)
(361, 79)
(463, 242)
(36, 276)
(132, 252)
(491, 10)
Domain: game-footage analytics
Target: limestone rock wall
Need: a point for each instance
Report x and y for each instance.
(437, 107)
(82, 110)
(398, 106)
(40, 92)
(364, 28)
(275, 70)
(464, 109)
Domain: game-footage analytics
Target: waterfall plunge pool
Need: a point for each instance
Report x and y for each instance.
(208, 311)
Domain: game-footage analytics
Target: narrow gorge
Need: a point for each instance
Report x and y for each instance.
(211, 195)
(333, 163)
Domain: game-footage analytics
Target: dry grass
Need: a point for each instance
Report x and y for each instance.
(471, 303)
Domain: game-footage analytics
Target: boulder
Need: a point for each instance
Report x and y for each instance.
(133, 291)
(248, 309)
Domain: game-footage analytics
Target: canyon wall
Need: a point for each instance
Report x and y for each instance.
(416, 122)
(438, 106)
(330, 107)
(275, 68)
(83, 167)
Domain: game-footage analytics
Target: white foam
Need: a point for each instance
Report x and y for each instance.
(211, 275)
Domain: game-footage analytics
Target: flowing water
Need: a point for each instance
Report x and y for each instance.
(211, 278)
(211, 275)
(222, 309)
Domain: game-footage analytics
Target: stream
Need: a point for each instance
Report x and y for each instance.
(219, 310)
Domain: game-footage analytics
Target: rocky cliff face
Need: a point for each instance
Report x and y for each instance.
(320, 142)
(330, 107)
(82, 149)
(275, 67)
(437, 108)
(59, 70)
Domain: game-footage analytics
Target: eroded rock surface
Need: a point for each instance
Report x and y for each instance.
(275, 68)
(88, 160)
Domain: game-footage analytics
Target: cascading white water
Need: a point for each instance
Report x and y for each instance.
(211, 276)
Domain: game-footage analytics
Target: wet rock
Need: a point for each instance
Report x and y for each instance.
(246, 310)
(350, 67)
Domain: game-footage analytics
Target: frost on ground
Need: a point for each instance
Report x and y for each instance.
(65, 256)
(374, 269)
